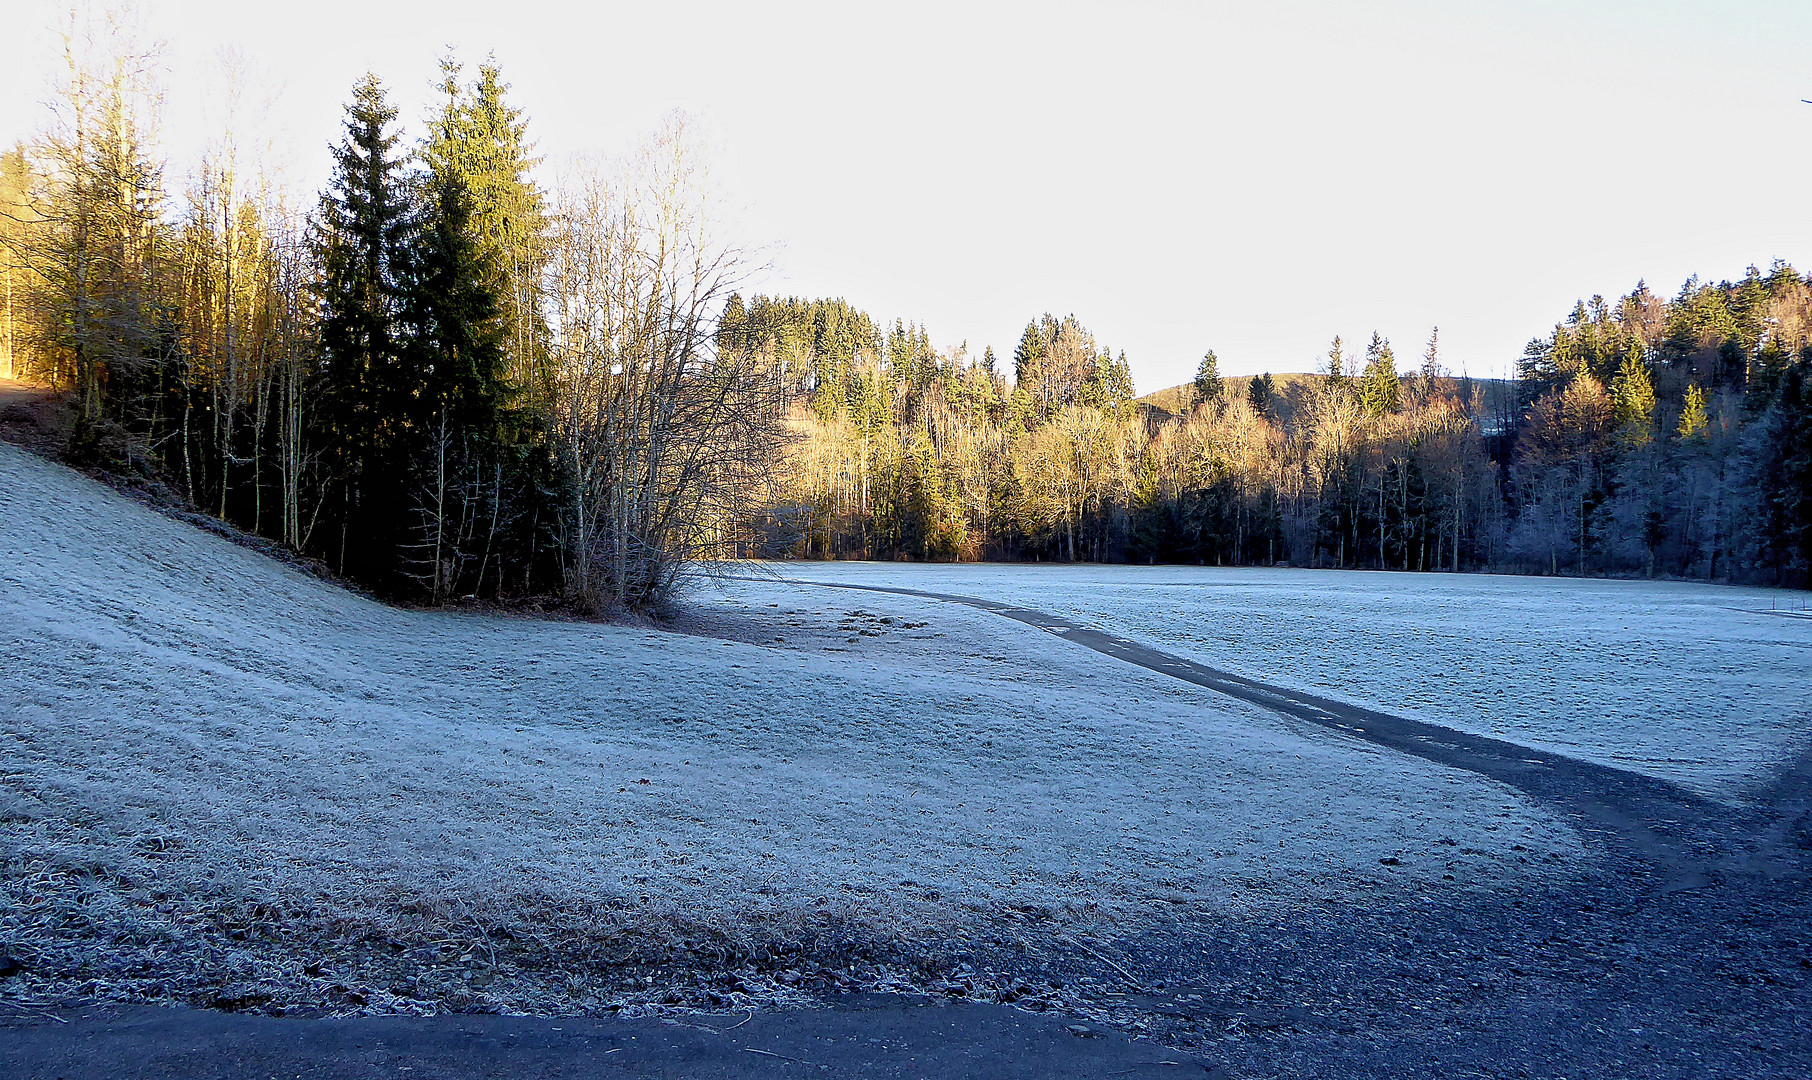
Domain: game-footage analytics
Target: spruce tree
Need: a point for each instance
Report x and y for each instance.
(460, 418)
(1380, 392)
(1784, 479)
(1208, 384)
(1028, 355)
(1116, 382)
(1258, 395)
(454, 317)
(1693, 416)
(1634, 396)
(1536, 370)
(1336, 361)
(1431, 363)
(1771, 360)
(364, 232)
(478, 140)
(733, 325)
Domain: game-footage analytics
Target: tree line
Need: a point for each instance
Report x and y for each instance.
(446, 375)
(440, 378)
(1641, 437)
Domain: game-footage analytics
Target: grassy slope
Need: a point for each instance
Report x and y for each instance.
(226, 781)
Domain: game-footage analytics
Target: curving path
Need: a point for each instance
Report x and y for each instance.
(1657, 822)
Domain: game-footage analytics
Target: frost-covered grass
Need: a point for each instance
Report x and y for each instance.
(1698, 684)
(207, 756)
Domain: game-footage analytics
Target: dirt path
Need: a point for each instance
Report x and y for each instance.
(1683, 950)
(1683, 836)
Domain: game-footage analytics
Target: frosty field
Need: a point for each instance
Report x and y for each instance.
(1703, 685)
(200, 746)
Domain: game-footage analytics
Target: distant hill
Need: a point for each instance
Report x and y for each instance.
(1289, 388)
(1176, 400)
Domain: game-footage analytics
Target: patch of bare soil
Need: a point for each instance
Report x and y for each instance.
(35, 418)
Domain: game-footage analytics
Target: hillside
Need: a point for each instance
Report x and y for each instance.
(1176, 400)
(1289, 387)
(229, 782)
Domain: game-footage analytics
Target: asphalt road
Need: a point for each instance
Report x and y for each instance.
(885, 1038)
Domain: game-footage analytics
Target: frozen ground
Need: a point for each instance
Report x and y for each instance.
(1697, 684)
(200, 746)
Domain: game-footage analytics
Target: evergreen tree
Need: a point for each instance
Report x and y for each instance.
(1336, 363)
(1116, 382)
(1693, 417)
(365, 233)
(1208, 384)
(1634, 395)
(1536, 371)
(733, 325)
(903, 352)
(1258, 394)
(1028, 355)
(479, 141)
(1771, 361)
(1431, 362)
(454, 317)
(1380, 392)
(1784, 480)
(455, 359)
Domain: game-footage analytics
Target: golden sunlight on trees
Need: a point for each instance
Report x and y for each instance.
(450, 374)
(911, 452)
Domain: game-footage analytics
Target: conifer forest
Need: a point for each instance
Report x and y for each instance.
(448, 375)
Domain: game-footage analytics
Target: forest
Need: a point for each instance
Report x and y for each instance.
(448, 376)
(440, 379)
(1641, 437)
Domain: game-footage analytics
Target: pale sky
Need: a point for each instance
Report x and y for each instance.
(1251, 178)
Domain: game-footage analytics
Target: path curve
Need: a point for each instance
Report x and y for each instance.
(1656, 821)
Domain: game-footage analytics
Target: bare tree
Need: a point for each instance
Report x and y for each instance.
(669, 442)
(99, 244)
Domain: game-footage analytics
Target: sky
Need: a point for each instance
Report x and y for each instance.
(1248, 178)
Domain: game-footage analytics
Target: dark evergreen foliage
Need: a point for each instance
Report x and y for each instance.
(1260, 393)
(367, 227)
(1783, 476)
(1208, 383)
(437, 470)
